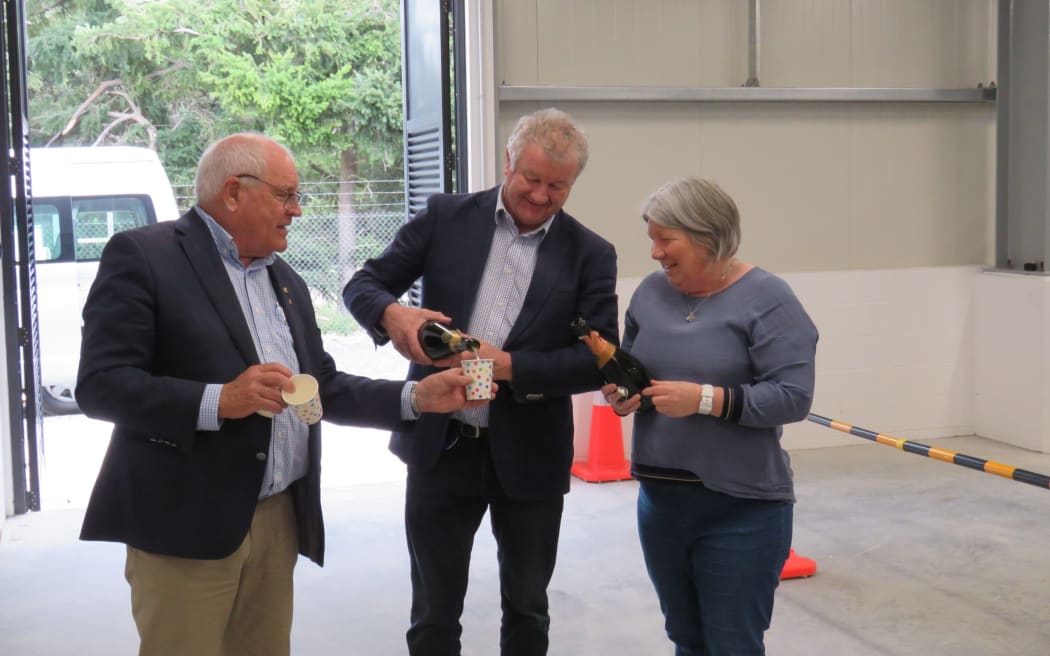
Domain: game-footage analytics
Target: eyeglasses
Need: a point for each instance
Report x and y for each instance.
(285, 195)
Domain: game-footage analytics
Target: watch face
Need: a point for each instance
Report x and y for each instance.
(707, 397)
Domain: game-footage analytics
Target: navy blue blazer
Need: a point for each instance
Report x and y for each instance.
(530, 419)
(161, 321)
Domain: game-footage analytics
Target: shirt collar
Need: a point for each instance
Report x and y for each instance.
(502, 215)
(226, 246)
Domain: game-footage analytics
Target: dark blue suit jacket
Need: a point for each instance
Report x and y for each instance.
(530, 419)
(161, 321)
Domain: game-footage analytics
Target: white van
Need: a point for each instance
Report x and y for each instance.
(81, 197)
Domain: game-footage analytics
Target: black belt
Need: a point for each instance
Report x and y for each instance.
(459, 429)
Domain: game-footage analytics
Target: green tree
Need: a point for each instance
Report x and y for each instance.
(322, 76)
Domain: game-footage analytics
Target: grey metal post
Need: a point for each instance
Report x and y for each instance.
(754, 45)
(1023, 136)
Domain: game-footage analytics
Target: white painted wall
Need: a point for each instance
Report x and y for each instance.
(1012, 364)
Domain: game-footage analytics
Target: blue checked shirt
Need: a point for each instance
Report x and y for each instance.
(508, 274)
(289, 451)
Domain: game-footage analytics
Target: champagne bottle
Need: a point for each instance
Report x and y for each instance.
(617, 366)
(439, 341)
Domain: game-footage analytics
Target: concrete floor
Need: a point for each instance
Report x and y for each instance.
(914, 556)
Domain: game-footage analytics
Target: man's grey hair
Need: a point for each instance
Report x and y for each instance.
(699, 207)
(552, 130)
(243, 153)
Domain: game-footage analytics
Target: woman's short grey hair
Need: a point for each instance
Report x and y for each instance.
(700, 208)
(243, 153)
(552, 130)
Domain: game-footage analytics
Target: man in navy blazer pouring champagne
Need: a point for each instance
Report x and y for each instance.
(509, 267)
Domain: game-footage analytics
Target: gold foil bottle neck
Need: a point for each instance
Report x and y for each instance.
(602, 349)
(606, 351)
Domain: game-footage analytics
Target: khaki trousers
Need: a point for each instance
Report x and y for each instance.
(236, 606)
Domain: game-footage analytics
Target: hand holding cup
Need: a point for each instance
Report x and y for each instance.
(445, 391)
(305, 399)
(480, 372)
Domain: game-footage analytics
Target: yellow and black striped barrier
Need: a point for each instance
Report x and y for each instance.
(980, 464)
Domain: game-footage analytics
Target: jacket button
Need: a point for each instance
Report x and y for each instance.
(260, 456)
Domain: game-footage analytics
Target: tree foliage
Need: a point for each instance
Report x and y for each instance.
(321, 76)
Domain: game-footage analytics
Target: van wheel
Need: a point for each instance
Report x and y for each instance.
(58, 401)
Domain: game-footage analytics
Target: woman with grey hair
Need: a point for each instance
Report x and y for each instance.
(731, 354)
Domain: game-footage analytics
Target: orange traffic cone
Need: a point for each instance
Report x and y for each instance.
(797, 567)
(605, 461)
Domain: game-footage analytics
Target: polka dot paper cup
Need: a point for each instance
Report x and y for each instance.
(305, 401)
(480, 372)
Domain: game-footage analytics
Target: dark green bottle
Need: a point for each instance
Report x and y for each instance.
(617, 366)
(439, 341)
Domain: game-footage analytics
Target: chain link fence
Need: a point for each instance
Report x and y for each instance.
(334, 236)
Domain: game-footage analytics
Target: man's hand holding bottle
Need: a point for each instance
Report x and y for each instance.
(448, 347)
(402, 324)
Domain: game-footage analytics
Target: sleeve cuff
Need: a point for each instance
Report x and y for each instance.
(409, 411)
(208, 415)
(732, 403)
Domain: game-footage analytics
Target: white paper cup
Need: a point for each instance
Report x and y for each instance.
(480, 372)
(305, 401)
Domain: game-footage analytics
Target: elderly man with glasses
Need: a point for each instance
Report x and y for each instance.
(192, 331)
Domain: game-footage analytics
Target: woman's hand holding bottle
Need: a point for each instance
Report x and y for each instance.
(674, 398)
(620, 405)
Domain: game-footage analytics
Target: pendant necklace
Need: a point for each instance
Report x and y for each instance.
(700, 301)
(693, 308)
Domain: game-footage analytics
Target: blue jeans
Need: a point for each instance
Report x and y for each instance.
(715, 561)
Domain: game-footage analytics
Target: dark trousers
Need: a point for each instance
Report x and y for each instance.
(443, 510)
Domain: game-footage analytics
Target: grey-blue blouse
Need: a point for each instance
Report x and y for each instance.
(754, 336)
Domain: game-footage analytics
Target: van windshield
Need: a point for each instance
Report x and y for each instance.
(81, 232)
(95, 220)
